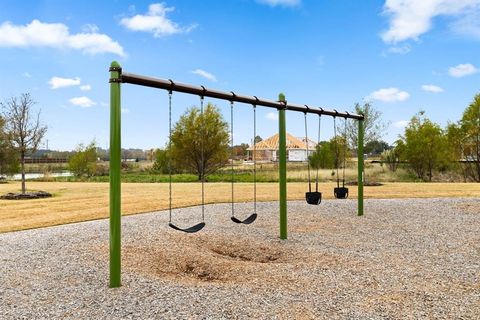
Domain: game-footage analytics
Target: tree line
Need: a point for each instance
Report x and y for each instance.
(427, 148)
(424, 148)
(200, 143)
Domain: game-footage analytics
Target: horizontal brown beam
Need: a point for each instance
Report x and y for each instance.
(171, 85)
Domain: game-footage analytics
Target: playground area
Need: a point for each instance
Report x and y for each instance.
(406, 258)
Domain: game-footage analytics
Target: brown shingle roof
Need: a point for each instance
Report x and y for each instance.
(272, 143)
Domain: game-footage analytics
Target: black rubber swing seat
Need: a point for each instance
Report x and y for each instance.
(340, 192)
(249, 220)
(314, 197)
(192, 229)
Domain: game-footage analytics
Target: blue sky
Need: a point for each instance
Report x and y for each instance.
(402, 55)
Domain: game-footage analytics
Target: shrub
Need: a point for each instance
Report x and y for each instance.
(84, 162)
(391, 158)
(162, 161)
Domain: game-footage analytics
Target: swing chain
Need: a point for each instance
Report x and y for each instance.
(169, 156)
(344, 152)
(232, 155)
(336, 149)
(202, 155)
(254, 158)
(308, 162)
(318, 144)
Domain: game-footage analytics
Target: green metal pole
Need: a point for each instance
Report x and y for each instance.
(115, 183)
(282, 161)
(360, 167)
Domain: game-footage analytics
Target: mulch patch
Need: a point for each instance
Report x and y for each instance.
(26, 196)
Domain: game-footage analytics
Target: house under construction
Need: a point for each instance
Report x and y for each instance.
(267, 150)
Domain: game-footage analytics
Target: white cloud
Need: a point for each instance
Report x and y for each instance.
(56, 35)
(462, 70)
(284, 3)
(86, 87)
(272, 116)
(205, 74)
(409, 19)
(125, 110)
(83, 102)
(468, 25)
(90, 28)
(388, 95)
(400, 49)
(155, 21)
(26, 75)
(57, 82)
(400, 124)
(432, 88)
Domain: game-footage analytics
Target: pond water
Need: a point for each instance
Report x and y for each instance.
(40, 175)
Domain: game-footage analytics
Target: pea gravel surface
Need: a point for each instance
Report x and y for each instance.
(404, 259)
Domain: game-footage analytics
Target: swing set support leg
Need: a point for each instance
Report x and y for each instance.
(282, 167)
(360, 167)
(115, 183)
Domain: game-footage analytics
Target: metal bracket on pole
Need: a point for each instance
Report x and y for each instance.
(115, 68)
(115, 80)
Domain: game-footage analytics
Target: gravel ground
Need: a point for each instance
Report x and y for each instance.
(410, 258)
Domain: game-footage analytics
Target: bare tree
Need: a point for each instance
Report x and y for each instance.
(23, 127)
(374, 127)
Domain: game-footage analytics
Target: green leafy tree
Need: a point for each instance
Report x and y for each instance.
(324, 156)
(470, 127)
(424, 146)
(8, 157)
(23, 127)
(137, 154)
(240, 150)
(84, 162)
(373, 126)
(376, 147)
(392, 156)
(340, 149)
(200, 144)
(163, 161)
(455, 137)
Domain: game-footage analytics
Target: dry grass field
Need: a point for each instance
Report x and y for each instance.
(75, 202)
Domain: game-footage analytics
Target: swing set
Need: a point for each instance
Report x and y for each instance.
(117, 77)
